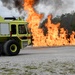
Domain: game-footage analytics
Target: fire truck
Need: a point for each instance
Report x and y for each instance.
(14, 35)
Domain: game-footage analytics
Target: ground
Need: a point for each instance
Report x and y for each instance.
(40, 61)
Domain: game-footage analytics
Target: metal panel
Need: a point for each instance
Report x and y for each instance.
(4, 29)
(24, 44)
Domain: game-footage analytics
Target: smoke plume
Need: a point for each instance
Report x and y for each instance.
(13, 4)
(54, 7)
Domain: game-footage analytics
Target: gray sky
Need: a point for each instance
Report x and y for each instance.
(66, 7)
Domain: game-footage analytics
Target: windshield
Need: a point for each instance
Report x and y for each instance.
(22, 29)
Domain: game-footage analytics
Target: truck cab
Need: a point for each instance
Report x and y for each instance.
(14, 35)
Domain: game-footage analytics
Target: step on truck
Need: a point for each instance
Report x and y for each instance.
(14, 35)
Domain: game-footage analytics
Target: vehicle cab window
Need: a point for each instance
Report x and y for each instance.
(13, 29)
(22, 29)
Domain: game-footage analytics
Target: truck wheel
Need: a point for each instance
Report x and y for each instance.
(11, 48)
(0, 49)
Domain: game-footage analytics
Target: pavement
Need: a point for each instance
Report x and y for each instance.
(42, 54)
(40, 61)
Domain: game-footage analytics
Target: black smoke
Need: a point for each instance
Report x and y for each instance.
(18, 4)
(43, 6)
(54, 7)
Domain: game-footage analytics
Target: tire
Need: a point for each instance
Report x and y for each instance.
(0, 49)
(11, 48)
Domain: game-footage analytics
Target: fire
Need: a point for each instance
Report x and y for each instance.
(72, 38)
(55, 35)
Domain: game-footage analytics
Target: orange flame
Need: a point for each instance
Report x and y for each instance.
(55, 36)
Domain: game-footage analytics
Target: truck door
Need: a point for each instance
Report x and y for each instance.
(13, 29)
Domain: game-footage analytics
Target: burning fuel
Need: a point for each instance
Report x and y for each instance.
(49, 34)
(55, 35)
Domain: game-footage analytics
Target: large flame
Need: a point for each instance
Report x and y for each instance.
(55, 36)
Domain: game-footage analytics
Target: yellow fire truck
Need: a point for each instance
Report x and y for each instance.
(14, 35)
